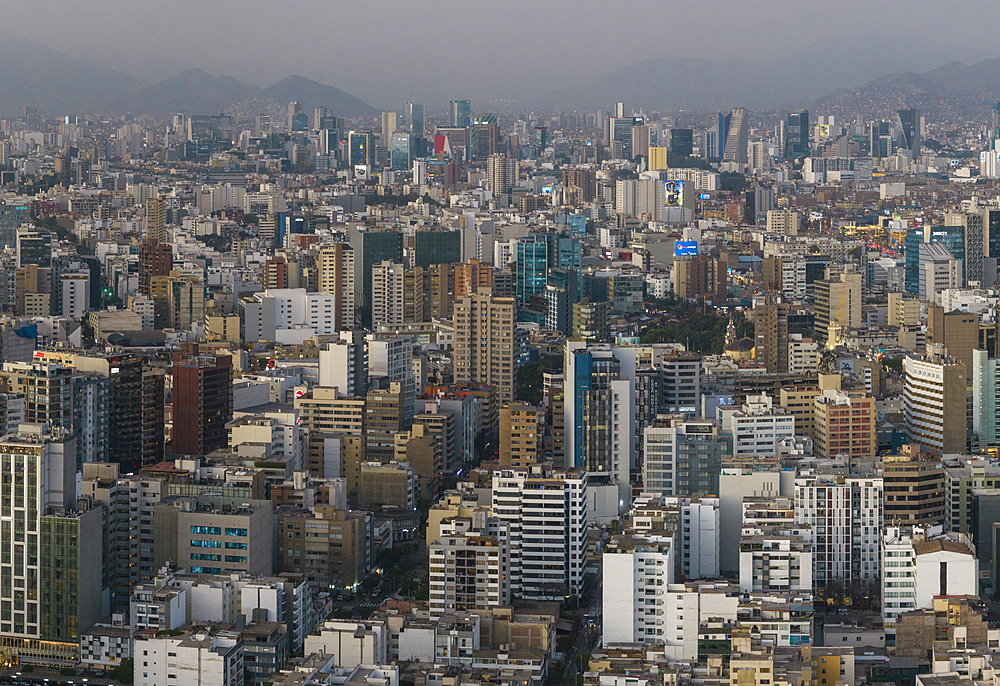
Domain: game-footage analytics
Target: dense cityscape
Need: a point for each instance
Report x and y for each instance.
(451, 396)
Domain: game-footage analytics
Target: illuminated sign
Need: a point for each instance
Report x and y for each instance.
(824, 130)
(673, 193)
(704, 196)
(686, 248)
(547, 190)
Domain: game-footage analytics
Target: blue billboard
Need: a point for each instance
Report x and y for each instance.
(686, 248)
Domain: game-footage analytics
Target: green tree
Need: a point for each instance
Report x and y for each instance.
(529, 383)
(124, 672)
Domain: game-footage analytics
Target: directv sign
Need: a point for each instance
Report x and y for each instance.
(686, 248)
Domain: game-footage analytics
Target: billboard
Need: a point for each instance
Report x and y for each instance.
(673, 193)
(361, 172)
(704, 196)
(686, 248)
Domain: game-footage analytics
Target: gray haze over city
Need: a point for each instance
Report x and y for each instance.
(389, 51)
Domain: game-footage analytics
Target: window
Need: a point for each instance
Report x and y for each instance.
(205, 556)
(206, 544)
(236, 532)
(234, 545)
(207, 530)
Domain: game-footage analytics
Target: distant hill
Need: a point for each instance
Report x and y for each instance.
(57, 84)
(952, 91)
(192, 91)
(673, 83)
(36, 75)
(310, 95)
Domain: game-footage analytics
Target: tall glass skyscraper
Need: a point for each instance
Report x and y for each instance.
(414, 115)
(401, 151)
(909, 122)
(461, 113)
(911, 250)
(797, 135)
(532, 266)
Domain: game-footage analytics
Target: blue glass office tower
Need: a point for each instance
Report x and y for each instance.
(797, 135)
(532, 266)
(577, 224)
(909, 121)
(461, 113)
(401, 152)
(911, 250)
(414, 115)
(568, 254)
(953, 239)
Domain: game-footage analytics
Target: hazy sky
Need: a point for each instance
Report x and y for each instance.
(387, 51)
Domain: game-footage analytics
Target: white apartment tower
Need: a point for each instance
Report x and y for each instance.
(547, 517)
(387, 294)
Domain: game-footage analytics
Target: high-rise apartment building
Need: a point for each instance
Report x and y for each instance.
(337, 273)
(520, 434)
(914, 490)
(383, 420)
(957, 331)
(156, 220)
(471, 276)
(202, 401)
(590, 320)
(838, 305)
(56, 570)
(844, 424)
(126, 404)
(413, 295)
(547, 515)
(484, 343)
(933, 388)
(501, 173)
(938, 271)
(850, 512)
(682, 457)
(467, 567)
(155, 259)
(387, 294)
(770, 318)
(65, 398)
(343, 364)
(439, 293)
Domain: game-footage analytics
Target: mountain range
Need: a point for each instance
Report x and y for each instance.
(858, 75)
(812, 74)
(57, 84)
